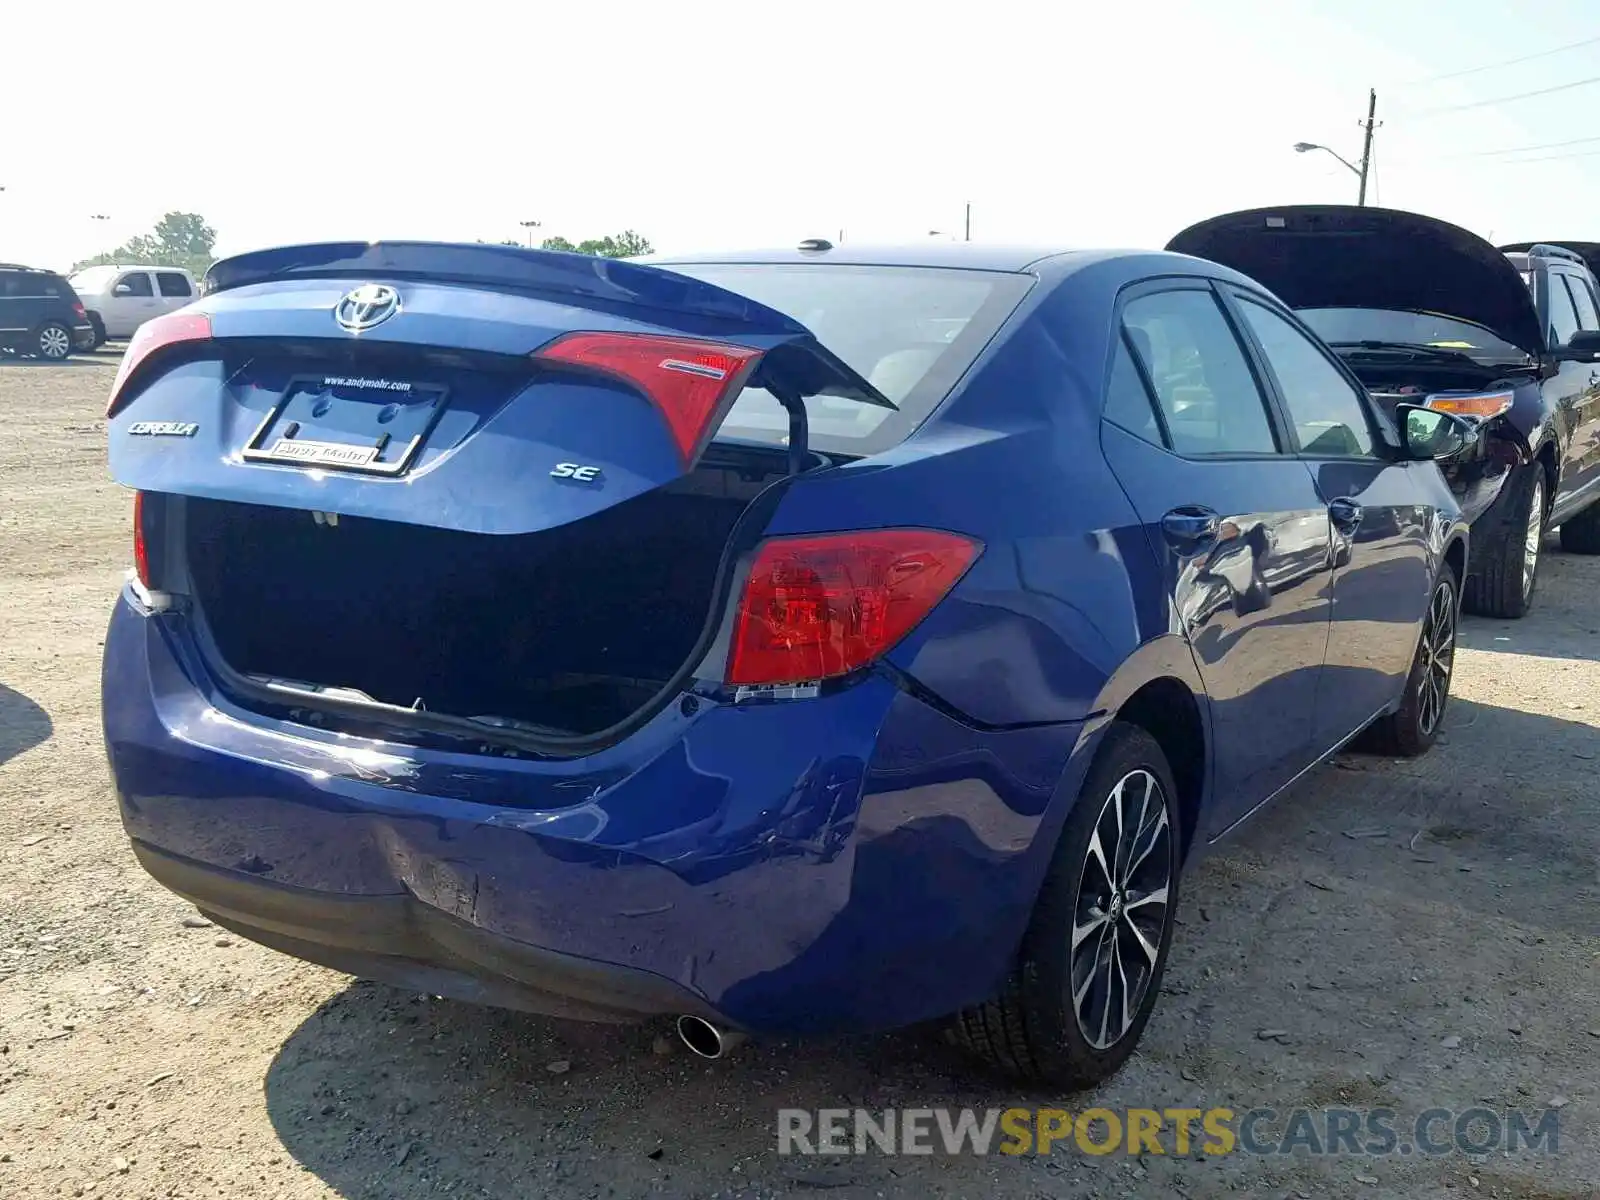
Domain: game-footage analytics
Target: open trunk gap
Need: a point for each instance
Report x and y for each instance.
(565, 632)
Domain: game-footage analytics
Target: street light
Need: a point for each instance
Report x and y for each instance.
(1303, 147)
(966, 233)
(530, 226)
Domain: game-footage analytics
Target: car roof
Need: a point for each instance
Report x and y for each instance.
(129, 267)
(1049, 263)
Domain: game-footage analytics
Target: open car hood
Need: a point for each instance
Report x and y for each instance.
(1588, 251)
(1344, 256)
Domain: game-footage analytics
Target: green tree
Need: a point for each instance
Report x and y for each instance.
(626, 244)
(179, 240)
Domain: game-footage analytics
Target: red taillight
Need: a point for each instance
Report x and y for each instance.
(80, 311)
(688, 380)
(820, 606)
(155, 334)
(141, 551)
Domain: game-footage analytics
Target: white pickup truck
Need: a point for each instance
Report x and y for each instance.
(120, 299)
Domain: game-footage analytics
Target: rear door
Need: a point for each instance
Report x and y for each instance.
(173, 289)
(1378, 516)
(130, 302)
(1576, 390)
(1237, 518)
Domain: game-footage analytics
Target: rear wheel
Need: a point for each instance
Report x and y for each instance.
(1505, 572)
(99, 330)
(1090, 965)
(1581, 534)
(53, 341)
(1413, 728)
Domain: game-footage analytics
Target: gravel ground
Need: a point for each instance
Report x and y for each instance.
(1445, 957)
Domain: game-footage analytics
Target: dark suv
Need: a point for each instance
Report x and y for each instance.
(40, 314)
(1426, 312)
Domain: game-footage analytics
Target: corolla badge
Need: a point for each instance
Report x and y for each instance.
(370, 304)
(163, 429)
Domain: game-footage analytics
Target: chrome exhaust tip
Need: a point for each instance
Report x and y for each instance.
(704, 1038)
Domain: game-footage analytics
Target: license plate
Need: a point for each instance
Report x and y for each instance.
(348, 423)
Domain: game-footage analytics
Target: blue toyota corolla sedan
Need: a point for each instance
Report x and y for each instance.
(818, 640)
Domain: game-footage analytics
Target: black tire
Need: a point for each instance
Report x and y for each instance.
(99, 330)
(1581, 534)
(1501, 580)
(1413, 728)
(52, 341)
(1032, 1030)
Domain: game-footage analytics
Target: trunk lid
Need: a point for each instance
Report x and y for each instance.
(485, 389)
(1343, 256)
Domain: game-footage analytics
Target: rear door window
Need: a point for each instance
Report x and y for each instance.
(1198, 370)
(138, 282)
(173, 284)
(1563, 316)
(1583, 302)
(1129, 405)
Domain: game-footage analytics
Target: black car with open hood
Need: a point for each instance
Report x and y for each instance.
(1421, 310)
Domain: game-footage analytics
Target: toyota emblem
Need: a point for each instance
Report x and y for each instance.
(370, 304)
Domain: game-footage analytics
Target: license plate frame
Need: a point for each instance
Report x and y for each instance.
(354, 457)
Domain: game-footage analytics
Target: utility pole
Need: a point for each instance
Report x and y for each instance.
(1366, 149)
(969, 221)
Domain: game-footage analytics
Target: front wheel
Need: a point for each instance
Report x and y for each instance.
(1090, 966)
(1506, 570)
(1413, 727)
(53, 341)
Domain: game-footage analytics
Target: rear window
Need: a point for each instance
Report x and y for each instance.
(911, 331)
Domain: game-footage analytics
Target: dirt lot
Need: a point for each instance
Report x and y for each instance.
(1446, 957)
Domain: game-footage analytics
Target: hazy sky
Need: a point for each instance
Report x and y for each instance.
(704, 124)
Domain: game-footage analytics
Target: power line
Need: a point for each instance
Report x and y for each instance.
(1517, 162)
(1522, 149)
(1560, 87)
(1510, 62)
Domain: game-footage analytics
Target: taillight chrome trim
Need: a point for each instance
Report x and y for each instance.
(704, 390)
(151, 600)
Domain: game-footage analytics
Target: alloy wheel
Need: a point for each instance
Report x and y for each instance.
(1120, 914)
(54, 342)
(1438, 652)
(1532, 537)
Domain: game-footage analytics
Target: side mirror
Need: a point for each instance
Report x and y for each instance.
(1431, 434)
(1583, 346)
(122, 289)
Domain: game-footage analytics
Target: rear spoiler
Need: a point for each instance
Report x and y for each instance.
(600, 281)
(796, 367)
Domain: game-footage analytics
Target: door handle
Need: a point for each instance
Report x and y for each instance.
(1190, 527)
(1345, 514)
